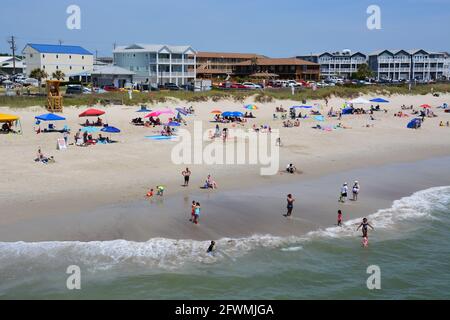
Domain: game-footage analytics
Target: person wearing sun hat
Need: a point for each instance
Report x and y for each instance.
(344, 192)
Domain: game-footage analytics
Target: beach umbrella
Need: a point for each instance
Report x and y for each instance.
(157, 113)
(110, 129)
(426, 106)
(173, 124)
(90, 129)
(216, 111)
(359, 101)
(92, 113)
(237, 114)
(182, 111)
(227, 114)
(50, 117)
(251, 107)
(379, 100)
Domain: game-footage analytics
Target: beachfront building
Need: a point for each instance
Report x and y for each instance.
(10, 65)
(158, 64)
(51, 58)
(341, 64)
(212, 65)
(417, 64)
(282, 68)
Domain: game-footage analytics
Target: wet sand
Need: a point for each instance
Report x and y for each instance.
(234, 213)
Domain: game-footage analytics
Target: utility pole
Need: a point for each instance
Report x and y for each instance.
(13, 47)
(60, 42)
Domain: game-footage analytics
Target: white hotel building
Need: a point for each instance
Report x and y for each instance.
(341, 63)
(415, 64)
(158, 64)
(54, 57)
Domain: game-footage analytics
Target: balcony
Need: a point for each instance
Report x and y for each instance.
(394, 60)
(172, 74)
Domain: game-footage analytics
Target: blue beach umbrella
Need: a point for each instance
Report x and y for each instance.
(173, 124)
(110, 130)
(301, 107)
(144, 109)
(379, 100)
(227, 114)
(237, 114)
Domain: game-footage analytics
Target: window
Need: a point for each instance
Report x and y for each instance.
(83, 68)
(70, 67)
(57, 68)
(43, 56)
(31, 55)
(57, 56)
(82, 57)
(70, 57)
(43, 67)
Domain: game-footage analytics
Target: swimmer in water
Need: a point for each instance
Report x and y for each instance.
(364, 224)
(212, 247)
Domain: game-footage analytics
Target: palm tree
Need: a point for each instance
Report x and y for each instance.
(58, 75)
(38, 74)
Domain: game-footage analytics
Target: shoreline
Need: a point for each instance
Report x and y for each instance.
(235, 213)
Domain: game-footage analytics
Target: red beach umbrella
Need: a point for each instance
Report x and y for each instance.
(92, 113)
(426, 106)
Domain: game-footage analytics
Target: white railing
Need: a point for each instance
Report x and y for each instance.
(172, 74)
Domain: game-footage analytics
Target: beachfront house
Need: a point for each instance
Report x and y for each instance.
(51, 58)
(341, 64)
(158, 64)
(282, 68)
(10, 65)
(212, 65)
(417, 64)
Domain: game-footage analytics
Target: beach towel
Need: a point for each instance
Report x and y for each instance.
(160, 137)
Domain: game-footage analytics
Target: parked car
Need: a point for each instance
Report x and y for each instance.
(31, 82)
(110, 88)
(171, 86)
(251, 85)
(74, 89)
(237, 86)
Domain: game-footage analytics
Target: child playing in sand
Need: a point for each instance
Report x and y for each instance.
(339, 218)
(150, 193)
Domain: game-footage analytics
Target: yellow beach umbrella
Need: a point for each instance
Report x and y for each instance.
(8, 117)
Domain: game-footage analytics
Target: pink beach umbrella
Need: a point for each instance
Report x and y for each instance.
(157, 113)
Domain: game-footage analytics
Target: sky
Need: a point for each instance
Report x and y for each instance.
(276, 28)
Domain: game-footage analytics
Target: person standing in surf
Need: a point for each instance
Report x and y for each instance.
(364, 225)
(339, 218)
(197, 212)
(186, 174)
(212, 247)
(355, 190)
(290, 205)
(192, 219)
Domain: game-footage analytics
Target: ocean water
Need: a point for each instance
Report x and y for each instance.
(410, 245)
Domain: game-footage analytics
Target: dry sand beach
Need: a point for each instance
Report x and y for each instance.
(98, 192)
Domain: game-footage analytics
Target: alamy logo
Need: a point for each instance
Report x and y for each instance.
(73, 21)
(229, 147)
(74, 280)
(374, 280)
(374, 19)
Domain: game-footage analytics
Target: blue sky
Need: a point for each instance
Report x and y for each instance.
(275, 28)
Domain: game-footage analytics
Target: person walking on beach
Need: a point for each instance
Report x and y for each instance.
(339, 218)
(186, 174)
(364, 225)
(344, 192)
(355, 190)
(290, 205)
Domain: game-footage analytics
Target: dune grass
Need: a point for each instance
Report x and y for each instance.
(217, 95)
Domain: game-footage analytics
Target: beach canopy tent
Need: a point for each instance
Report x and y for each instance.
(347, 111)
(301, 107)
(144, 109)
(414, 123)
(8, 117)
(232, 114)
(379, 100)
(49, 117)
(92, 113)
(359, 101)
(110, 129)
(251, 107)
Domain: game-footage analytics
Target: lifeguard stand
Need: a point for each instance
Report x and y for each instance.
(54, 97)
